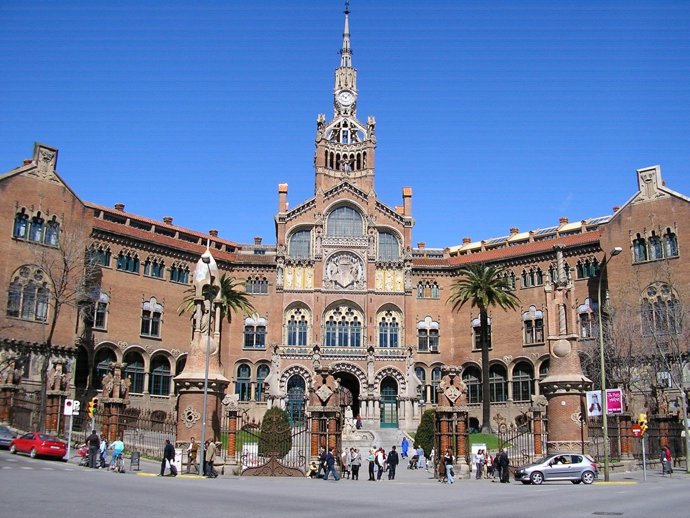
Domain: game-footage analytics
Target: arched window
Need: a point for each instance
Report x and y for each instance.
(656, 249)
(435, 382)
(661, 311)
(587, 320)
(154, 267)
(296, 389)
(243, 382)
(587, 268)
(532, 277)
(179, 273)
(128, 262)
(100, 312)
(472, 377)
(428, 290)
(498, 384)
(389, 329)
(159, 382)
(389, 247)
(100, 255)
(639, 249)
(256, 285)
(37, 229)
(343, 327)
(523, 375)
(345, 222)
(428, 335)
(52, 233)
(135, 371)
(151, 313)
(28, 295)
(544, 369)
(670, 243)
(533, 321)
(104, 357)
(476, 332)
(255, 332)
(261, 374)
(297, 326)
(21, 225)
(300, 244)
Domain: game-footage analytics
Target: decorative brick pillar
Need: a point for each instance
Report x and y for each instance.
(324, 407)
(7, 392)
(452, 416)
(461, 434)
(537, 430)
(625, 424)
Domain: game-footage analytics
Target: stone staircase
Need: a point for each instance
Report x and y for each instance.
(373, 436)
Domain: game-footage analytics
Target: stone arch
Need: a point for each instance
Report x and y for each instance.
(291, 371)
(394, 373)
(353, 369)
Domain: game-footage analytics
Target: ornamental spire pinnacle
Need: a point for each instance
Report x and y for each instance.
(346, 51)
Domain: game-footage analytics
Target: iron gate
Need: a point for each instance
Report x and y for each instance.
(271, 447)
(521, 441)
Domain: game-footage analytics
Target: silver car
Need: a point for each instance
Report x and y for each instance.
(6, 436)
(559, 466)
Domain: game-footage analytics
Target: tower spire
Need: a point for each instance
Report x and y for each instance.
(346, 51)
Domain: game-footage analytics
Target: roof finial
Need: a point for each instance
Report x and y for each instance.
(346, 52)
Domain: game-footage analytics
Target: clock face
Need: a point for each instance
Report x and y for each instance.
(346, 98)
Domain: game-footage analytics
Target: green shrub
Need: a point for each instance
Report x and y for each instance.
(275, 439)
(424, 436)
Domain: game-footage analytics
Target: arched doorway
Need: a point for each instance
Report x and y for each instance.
(81, 371)
(295, 399)
(350, 393)
(389, 403)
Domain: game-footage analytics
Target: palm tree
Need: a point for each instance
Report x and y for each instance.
(232, 300)
(483, 287)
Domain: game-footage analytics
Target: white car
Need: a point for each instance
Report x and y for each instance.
(574, 467)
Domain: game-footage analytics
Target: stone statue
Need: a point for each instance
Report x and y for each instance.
(272, 381)
(125, 385)
(108, 383)
(413, 381)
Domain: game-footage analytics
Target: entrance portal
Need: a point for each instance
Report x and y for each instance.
(351, 395)
(389, 403)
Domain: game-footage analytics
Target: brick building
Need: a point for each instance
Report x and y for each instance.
(342, 286)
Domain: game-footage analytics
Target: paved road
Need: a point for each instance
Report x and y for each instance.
(39, 488)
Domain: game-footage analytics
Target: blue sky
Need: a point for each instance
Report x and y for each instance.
(497, 114)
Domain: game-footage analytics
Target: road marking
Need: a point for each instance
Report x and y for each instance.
(27, 467)
(48, 469)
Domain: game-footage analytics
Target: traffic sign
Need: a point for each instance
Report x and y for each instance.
(637, 430)
(71, 407)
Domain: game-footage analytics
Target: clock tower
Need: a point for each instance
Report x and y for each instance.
(345, 146)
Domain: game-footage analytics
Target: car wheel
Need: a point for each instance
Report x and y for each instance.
(32, 453)
(13, 449)
(576, 481)
(536, 478)
(588, 477)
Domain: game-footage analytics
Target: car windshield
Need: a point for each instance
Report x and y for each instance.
(540, 461)
(45, 437)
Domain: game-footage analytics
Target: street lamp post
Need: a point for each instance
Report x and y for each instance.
(202, 455)
(604, 407)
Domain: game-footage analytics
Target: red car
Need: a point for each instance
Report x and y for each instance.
(38, 444)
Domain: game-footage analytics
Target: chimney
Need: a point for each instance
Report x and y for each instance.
(120, 207)
(466, 240)
(213, 232)
(282, 197)
(257, 240)
(563, 221)
(27, 161)
(421, 245)
(407, 201)
(616, 208)
(167, 220)
(514, 231)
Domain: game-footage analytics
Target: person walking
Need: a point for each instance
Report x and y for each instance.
(211, 450)
(345, 462)
(404, 447)
(355, 463)
(322, 463)
(102, 449)
(192, 450)
(380, 459)
(665, 459)
(393, 460)
(448, 463)
(94, 444)
(168, 458)
(421, 459)
(330, 466)
(479, 463)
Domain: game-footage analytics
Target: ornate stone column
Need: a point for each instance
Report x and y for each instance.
(565, 385)
(114, 398)
(451, 416)
(325, 411)
(10, 377)
(57, 390)
(205, 340)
